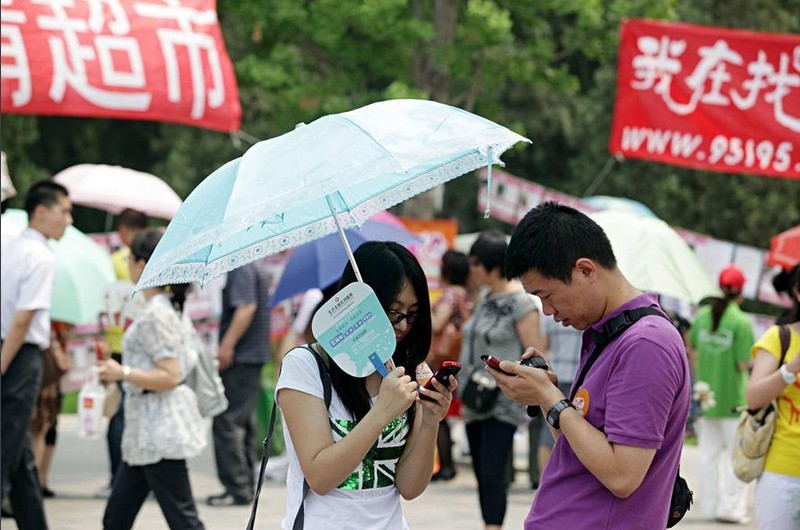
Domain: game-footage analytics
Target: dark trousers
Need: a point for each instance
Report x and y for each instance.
(234, 432)
(491, 447)
(114, 436)
(19, 391)
(169, 481)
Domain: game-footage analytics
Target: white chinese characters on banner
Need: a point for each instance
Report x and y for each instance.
(15, 60)
(71, 59)
(659, 64)
(147, 59)
(195, 43)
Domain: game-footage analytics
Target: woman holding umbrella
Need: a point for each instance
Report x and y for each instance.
(375, 443)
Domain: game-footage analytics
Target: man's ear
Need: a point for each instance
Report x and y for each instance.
(586, 268)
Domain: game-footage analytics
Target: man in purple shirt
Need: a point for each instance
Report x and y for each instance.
(619, 441)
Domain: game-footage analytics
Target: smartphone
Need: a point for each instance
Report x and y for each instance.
(534, 362)
(493, 362)
(442, 375)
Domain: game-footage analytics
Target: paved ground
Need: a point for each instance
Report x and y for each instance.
(80, 468)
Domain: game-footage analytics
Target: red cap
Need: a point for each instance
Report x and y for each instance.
(732, 277)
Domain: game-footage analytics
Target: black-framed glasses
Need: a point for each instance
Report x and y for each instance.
(395, 317)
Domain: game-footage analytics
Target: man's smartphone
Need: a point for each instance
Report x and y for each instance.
(494, 363)
(534, 362)
(442, 375)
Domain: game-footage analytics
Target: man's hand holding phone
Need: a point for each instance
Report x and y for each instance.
(528, 382)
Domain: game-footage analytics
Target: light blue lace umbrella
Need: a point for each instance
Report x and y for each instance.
(326, 176)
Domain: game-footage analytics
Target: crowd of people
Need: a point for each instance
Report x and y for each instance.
(606, 419)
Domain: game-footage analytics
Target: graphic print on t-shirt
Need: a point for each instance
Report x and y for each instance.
(378, 467)
(716, 342)
(581, 402)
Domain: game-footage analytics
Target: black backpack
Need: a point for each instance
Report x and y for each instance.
(682, 497)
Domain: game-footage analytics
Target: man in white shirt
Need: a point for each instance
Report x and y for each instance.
(26, 291)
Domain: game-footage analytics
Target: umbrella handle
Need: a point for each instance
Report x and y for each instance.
(344, 239)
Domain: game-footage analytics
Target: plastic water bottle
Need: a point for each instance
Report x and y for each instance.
(91, 400)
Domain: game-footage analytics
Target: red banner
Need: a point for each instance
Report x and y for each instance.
(708, 98)
(161, 60)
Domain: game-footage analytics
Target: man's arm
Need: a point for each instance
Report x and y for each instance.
(620, 468)
(240, 322)
(15, 337)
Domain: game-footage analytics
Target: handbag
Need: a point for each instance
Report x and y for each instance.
(481, 391)
(754, 431)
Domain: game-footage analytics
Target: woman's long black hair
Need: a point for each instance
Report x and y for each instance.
(385, 266)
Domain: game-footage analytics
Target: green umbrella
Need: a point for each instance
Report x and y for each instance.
(83, 269)
(654, 257)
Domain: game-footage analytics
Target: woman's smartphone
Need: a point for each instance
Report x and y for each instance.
(442, 375)
(494, 363)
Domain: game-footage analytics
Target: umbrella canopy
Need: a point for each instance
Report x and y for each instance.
(331, 174)
(83, 269)
(654, 257)
(319, 263)
(114, 188)
(784, 249)
(619, 204)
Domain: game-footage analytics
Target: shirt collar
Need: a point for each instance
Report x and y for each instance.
(34, 234)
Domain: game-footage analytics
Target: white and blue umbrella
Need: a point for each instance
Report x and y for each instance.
(319, 178)
(318, 264)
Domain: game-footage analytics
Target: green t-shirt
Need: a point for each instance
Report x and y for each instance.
(718, 355)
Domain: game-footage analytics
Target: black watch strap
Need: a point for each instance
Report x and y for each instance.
(555, 412)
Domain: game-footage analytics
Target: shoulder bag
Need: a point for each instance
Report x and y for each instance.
(755, 429)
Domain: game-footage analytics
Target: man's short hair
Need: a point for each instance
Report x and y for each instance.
(133, 219)
(43, 192)
(551, 238)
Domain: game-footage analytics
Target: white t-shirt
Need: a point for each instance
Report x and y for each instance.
(368, 498)
(28, 272)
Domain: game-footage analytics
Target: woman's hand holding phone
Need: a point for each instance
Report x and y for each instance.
(442, 375)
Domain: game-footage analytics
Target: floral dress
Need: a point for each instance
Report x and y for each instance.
(160, 425)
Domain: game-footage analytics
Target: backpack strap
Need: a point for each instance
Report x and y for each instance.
(612, 329)
(327, 393)
(786, 338)
(325, 376)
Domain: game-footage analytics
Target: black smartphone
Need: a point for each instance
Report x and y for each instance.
(494, 363)
(535, 362)
(442, 375)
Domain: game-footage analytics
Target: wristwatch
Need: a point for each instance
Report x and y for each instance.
(788, 377)
(126, 372)
(555, 411)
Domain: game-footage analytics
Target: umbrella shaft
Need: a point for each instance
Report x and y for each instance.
(344, 239)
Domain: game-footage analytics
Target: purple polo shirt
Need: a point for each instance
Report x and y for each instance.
(638, 393)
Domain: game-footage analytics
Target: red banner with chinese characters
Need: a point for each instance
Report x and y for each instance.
(161, 60)
(708, 98)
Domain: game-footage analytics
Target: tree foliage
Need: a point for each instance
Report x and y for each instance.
(545, 68)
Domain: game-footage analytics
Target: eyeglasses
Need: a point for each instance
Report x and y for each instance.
(395, 317)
